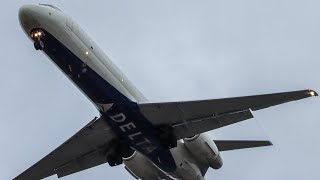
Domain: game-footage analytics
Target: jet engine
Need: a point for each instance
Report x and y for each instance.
(142, 168)
(204, 150)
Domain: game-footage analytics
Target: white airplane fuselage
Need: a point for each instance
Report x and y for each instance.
(86, 65)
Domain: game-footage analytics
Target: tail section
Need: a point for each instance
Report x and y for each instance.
(227, 145)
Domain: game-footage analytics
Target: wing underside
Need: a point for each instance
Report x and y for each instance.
(194, 117)
(86, 149)
(89, 147)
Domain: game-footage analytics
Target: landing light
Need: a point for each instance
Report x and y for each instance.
(36, 34)
(313, 93)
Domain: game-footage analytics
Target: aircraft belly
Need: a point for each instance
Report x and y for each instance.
(121, 114)
(82, 50)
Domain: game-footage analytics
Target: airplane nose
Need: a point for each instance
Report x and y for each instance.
(28, 17)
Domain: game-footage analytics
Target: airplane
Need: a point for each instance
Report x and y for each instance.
(154, 140)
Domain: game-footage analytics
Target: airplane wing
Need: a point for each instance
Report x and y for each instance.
(193, 117)
(86, 149)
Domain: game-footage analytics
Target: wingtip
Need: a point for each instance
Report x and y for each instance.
(312, 93)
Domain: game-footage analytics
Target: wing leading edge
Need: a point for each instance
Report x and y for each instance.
(194, 117)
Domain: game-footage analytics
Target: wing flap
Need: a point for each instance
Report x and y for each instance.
(227, 145)
(201, 125)
(92, 159)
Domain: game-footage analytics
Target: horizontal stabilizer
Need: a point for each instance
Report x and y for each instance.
(233, 145)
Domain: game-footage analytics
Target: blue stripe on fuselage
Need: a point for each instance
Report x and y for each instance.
(121, 114)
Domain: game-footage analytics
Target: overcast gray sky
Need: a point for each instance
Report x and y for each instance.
(173, 50)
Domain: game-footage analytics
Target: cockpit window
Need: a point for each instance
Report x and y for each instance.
(49, 5)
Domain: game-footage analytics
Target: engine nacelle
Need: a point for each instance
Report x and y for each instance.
(141, 168)
(204, 150)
